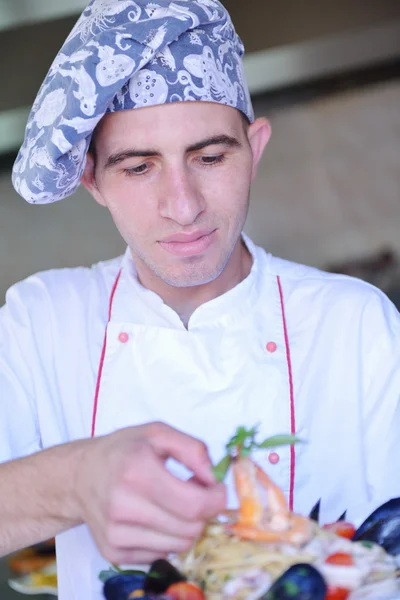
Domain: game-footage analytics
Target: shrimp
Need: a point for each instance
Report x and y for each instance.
(250, 503)
(275, 524)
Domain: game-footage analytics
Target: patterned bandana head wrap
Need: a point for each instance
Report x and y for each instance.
(125, 54)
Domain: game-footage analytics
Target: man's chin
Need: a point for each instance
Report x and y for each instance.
(194, 276)
(188, 282)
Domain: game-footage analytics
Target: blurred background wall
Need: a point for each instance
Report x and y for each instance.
(326, 73)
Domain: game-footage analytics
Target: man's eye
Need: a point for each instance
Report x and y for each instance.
(211, 161)
(140, 170)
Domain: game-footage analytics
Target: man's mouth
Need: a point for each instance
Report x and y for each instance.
(188, 244)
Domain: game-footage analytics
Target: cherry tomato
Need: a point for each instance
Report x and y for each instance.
(342, 529)
(337, 593)
(185, 590)
(340, 558)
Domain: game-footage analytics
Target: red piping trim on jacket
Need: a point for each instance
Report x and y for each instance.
(290, 375)
(291, 391)
(102, 357)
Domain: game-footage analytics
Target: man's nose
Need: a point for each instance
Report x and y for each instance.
(181, 199)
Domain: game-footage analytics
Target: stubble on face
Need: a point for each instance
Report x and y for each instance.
(193, 271)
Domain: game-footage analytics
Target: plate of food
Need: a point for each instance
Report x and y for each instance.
(263, 551)
(40, 581)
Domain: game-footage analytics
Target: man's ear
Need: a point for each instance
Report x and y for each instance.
(88, 180)
(259, 134)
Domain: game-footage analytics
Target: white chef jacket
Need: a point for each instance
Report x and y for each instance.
(291, 348)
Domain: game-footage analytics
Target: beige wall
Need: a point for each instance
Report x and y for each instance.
(27, 54)
(267, 23)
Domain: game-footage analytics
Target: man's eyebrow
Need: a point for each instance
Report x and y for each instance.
(218, 140)
(118, 157)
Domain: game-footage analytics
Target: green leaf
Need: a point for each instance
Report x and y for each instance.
(246, 451)
(367, 544)
(220, 470)
(127, 571)
(154, 575)
(115, 570)
(105, 575)
(243, 442)
(279, 440)
(243, 439)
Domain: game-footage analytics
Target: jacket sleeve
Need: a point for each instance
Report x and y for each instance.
(19, 429)
(381, 403)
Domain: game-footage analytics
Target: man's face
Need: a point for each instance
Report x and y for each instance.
(176, 180)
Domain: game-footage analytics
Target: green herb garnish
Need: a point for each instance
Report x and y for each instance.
(220, 470)
(243, 443)
(367, 544)
(279, 440)
(105, 575)
(115, 570)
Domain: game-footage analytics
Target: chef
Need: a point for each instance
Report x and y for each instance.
(120, 384)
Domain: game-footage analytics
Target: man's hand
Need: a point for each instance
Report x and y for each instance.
(136, 509)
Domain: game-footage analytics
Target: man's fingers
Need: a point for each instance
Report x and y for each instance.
(189, 451)
(187, 500)
(133, 557)
(148, 478)
(123, 538)
(139, 511)
(145, 511)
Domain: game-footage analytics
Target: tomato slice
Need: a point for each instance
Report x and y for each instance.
(340, 558)
(337, 593)
(342, 529)
(184, 590)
